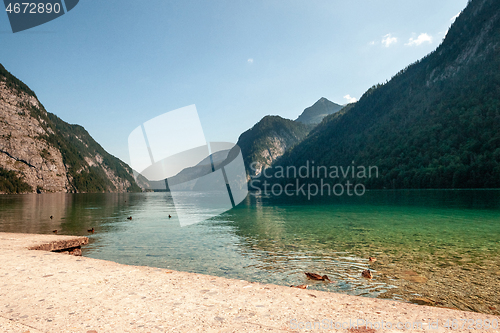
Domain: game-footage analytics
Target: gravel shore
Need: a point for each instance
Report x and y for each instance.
(44, 291)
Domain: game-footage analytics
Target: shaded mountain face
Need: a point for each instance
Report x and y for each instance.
(435, 124)
(40, 152)
(268, 140)
(313, 115)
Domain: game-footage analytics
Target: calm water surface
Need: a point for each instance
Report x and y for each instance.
(429, 234)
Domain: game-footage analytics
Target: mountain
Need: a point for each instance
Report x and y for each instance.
(40, 152)
(313, 115)
(435, 124)
(269, 139)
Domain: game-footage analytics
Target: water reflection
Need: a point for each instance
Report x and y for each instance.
(31, 213)
(70, 214)
(276, 240)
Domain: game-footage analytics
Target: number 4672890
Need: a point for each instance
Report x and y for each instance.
(33, 8)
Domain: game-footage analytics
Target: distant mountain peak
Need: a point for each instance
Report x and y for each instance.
(324, 100)
(314, 114)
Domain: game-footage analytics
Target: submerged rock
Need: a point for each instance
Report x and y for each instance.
(413, 277)
(423, 301)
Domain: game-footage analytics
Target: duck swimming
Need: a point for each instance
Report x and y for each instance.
(317, 277)
(367, 274)
(91, 230)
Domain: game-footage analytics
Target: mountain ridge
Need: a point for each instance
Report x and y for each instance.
(268, 139)
(434, 124)
(39, 152)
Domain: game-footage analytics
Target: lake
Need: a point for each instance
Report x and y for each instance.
(438, 247)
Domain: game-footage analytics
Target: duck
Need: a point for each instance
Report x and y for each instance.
(317, 277)
(91, 230)
(51, 217)
(129, 218)
(372, 259)
(54, 231)
(169, 216)
(367, 274)
(300, 286)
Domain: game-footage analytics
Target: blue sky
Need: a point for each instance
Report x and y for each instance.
(112, 65)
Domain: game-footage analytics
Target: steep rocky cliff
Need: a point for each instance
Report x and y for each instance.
(268, 140)
(40, 152)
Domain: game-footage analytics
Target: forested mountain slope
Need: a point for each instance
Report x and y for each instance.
(40, 152)
(435, 124)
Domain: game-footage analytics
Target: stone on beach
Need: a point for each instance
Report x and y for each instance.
(300, 286)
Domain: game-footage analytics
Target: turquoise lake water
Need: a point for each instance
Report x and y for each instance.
(276, 240)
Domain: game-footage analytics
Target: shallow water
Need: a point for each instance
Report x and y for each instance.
(441, 245)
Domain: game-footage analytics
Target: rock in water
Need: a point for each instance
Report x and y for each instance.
(423, 301)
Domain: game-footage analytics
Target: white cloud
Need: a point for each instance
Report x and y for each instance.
(371, 43)
(350, 99)
(422, 38)
(387, 40)
(250, 60)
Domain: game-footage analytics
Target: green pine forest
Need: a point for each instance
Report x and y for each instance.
(435, 124)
